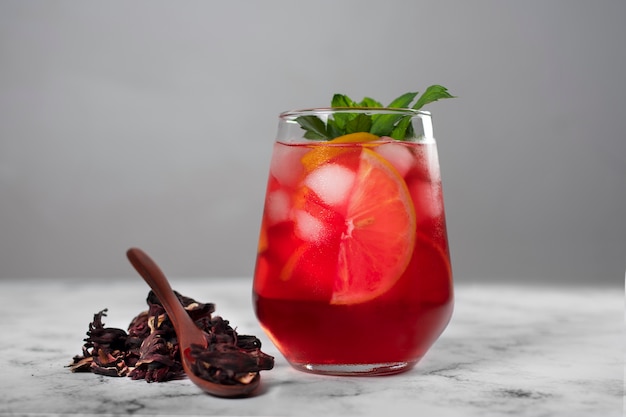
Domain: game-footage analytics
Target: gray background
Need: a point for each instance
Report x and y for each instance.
(150, 123)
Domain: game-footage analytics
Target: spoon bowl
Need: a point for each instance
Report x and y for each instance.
(186, 330)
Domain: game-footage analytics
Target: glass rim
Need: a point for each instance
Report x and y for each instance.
(292, 114)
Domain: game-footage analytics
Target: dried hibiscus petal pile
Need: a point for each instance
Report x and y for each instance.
(149, 350)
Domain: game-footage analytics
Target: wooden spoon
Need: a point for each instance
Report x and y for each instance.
(186, 330)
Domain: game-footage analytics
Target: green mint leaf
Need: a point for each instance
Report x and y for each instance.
(314, 126)
(403, 102)
(341, 100)
(361, 123)
(432, 93)
(383, 124)
(333, 128)
(369, 102)
(313, 136)
(398, 127)
(403, 127)
(341, 119)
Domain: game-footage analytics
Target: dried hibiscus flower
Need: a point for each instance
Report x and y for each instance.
(149, 350)
(104, 350)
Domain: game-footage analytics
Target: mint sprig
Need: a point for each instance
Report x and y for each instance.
(397, 126)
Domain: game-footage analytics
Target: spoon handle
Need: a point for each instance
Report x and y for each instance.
(187, 330)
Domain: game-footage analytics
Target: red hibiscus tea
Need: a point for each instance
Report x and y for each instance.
(353, 270)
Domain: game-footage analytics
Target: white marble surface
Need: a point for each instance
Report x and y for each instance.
(509, 351)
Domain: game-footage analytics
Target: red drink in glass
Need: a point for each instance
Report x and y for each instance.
(353, 271)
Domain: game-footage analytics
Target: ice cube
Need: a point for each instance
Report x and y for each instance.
(277, 207)
(332, 183)
(308, 227)
(397, 155)
(427, 199)
(286, 165)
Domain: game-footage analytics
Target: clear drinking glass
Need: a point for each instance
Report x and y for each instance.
(353, 272)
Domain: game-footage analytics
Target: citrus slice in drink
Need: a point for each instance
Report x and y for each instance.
(321, 154)
(371, 231)
(379, 239)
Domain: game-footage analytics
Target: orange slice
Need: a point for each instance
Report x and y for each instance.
(359, 209)
(356, 137)
(379, 237)
(326, 151)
